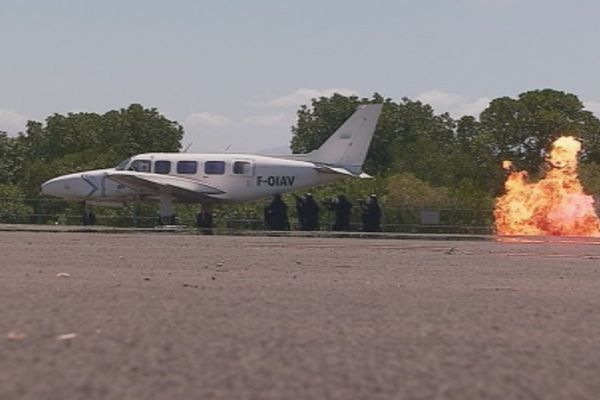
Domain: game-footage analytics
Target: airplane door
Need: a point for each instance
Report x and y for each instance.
(243, 169)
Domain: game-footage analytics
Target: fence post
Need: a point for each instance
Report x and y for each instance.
(41, 211)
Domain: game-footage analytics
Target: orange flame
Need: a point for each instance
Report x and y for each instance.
(556, 205)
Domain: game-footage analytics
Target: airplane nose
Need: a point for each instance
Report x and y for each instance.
(56, 187)
(73, 186)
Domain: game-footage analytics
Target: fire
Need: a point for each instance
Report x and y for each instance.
(556, 205)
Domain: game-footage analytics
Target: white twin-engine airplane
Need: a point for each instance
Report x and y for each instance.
(222, 178)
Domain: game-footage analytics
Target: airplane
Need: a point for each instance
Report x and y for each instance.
(209, 179)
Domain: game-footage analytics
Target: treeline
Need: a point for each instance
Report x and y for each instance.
(70, 143)
(420, 159)
(82, 141)
(430, 160)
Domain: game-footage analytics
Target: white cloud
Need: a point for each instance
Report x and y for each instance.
(208, 119)
(304, 95)
(273, 120)
(12, 122)
(593, 106)
(453, 103)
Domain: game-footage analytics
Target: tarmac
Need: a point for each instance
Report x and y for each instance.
(156, 315)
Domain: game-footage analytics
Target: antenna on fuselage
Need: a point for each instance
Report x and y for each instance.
(187, 147)
(227, 149)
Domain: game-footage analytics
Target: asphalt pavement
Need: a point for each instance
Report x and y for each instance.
(175, 316)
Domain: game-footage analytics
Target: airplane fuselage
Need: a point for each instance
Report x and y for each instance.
(235, 177)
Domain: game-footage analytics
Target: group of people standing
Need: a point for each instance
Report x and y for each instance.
(275, 213)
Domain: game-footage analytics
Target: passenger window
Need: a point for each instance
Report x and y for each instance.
(241, 168)
(187, 167)
(214, 167)
(140, 166)
(162, 167)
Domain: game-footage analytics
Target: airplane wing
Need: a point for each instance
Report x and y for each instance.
(156, 184)
(328, 169)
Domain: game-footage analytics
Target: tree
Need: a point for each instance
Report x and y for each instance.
(82, 141)
(316, 123)
(139, 130)
(405, 135)
(522, 129)
(423, 143)
(9, 158)
(473, 160)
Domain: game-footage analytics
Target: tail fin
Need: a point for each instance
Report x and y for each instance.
(348, 146)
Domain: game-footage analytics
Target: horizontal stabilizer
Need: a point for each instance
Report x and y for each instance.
(326, 169)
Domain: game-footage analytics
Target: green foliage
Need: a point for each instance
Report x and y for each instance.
(406, 190)
(467, 194)
(12, 205)
(10, 158)
(421, 142)
(82, 141)
(408, 137)
(589, 175)
(521, 130)
(462, 204)
(315, 124)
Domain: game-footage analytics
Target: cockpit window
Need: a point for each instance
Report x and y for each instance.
(123, 164)
(140, 166)
(162, 167)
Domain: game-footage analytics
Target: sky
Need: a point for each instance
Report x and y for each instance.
(234, 73)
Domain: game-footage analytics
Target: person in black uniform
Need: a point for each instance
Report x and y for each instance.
(342, 209)
(371, 214)
(308, 212)
(204, 221)
(311, 213)
(300, 211)
(275, 215)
